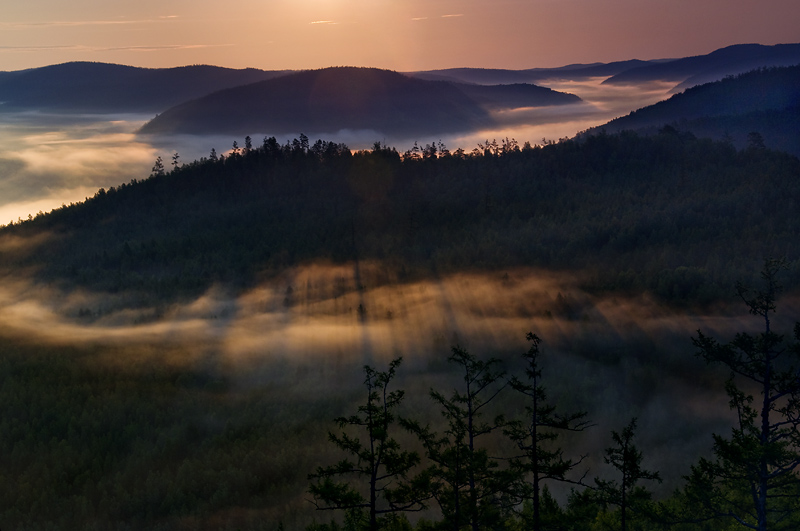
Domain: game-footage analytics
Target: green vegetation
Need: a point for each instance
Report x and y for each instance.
(102, 438)
(126, 438)
(763, 100)
(99, 437)
(678, 217)
(378, 462)
(759, 460)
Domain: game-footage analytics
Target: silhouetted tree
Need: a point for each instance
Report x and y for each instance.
(752, 477)
(627, 460)
(540, 460)
(755, 141)
(466, 482)
(376, 464)
(158, 167)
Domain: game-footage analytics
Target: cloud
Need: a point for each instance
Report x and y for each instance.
(453, 16)
(79, 23)
(40, 48)
(51, 159)
(329, 22)
(598, 354)
(420, 18)
(138, 48)
(157, 48)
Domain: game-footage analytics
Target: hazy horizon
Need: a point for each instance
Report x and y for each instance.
(50, 159)
(406, 36)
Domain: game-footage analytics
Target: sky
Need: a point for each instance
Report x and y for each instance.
(404, 35)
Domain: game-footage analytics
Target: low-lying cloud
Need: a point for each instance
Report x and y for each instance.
(615, 357)
(48, 159)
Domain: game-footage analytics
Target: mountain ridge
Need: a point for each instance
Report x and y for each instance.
(83, 86)
(354, 98)
(761, 101)
(730, 60)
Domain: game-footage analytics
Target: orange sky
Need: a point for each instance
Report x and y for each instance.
(397, 34)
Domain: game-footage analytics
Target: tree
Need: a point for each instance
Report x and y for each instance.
(540, 430)
(175, 159)
(627, 460)
(752, 478)
(158, 167)
(466, 481)
(378, 466)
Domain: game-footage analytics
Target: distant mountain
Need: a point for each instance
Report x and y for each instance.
(102, 87)
(690, 71)
(332, 99)
(493, 76)
(764, 101)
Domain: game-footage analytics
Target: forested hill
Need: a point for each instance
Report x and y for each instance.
(101, 87)
(716, 65)
(493, 76)
(766, 101)
(676, 216)
(331, 99)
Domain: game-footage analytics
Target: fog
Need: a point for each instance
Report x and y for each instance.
(616, 358)
(317, 324)
(47, 159)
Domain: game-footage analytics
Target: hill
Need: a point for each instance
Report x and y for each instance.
(732, 60)
(764, 101)
(331, 99)
(100, 87)
(672, 215)
(495, 76)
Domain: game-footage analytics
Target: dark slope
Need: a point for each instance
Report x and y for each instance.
(102, 87)
(713, 66)
(680, 217)
(763, 101)
(331, 99)
(494, 76)
(516, 95)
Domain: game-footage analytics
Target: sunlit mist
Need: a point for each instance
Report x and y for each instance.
(47, 160)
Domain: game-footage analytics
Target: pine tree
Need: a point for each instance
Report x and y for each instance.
(535, 437)
(752, 477)
(377, 467)
(467, 483)
(626, 458)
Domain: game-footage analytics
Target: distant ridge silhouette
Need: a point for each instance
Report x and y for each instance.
(103, 87)
(332, 99)
(766, 101)
(731, 60)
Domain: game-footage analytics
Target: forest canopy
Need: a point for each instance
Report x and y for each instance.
(673, 215)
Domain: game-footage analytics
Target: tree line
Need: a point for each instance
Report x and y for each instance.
(671, 215)
(749, 482)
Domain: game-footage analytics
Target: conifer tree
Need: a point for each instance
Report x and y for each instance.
(540, 460)
(467, 483)
(626, 458)
(374, 477)
(752, 478)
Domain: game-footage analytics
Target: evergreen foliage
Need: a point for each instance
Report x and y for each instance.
(752, 478)
(467, 483)
(671, 215)
(535, 437)
(626, 494)
(378, 461)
